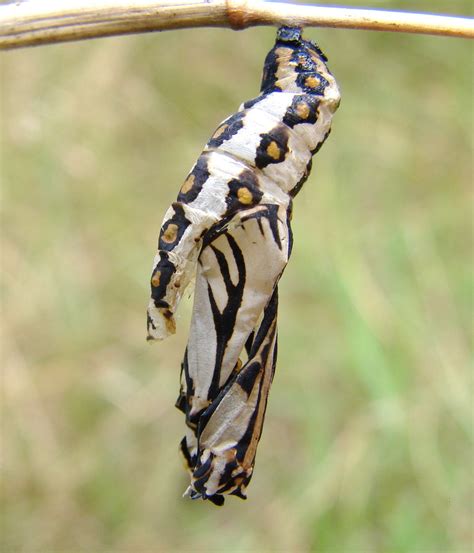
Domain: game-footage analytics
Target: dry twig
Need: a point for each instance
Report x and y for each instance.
(49, 21)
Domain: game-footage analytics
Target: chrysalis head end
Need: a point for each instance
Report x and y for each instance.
(289, 34)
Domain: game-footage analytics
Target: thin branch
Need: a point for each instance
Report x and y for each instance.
(49, 21)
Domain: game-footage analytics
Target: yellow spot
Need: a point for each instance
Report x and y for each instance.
(170, 326)
(219, 131)
(244, 195)
(170, 323)
(155, 279)
(302, 109)
(273, 150)
(312, 82)
(188, 184)
(238, 365)
(170, 234)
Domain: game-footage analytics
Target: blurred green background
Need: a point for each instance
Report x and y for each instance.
(368, 438)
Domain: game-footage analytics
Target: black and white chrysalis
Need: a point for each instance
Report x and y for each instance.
(230, 227)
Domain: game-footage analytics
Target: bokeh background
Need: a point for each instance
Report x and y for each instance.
(368, 438)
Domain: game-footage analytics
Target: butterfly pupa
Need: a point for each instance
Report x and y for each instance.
(230, 226)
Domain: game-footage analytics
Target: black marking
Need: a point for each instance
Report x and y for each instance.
(247, 182)
(250, 103)
(244, 442)
(216, 230)
(248, 376)
(319, 145)
(269, 315)
(302, 180)
(232, 126)
(265, 332)
(239, 493)
(303, 61)
(270, 68)
(166, 269)
(275, 139)
(203, 469)
(181, 402)
(224, 322)
(199, 174)
(289, 213)
(190, 459)
(302, 102)
(248, 343)
(216, 499)
(270, 213)
(150, 322)
(318, 90)
(226, 481)
(185, 405)
(178, 219)
(258, 357)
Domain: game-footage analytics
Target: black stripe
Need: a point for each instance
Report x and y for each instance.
(225, 322)
(270, 213)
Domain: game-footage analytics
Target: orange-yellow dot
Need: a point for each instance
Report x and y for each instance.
(170, 323)
(219, 131)
(244, 195)
(302, 109)
(188, 184)
(170, 234)
(155, 279)
(312, 82)
(273, 150)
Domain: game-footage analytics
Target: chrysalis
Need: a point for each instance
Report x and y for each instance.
(230, 226)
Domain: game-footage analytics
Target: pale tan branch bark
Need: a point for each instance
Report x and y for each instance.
(49, 21)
